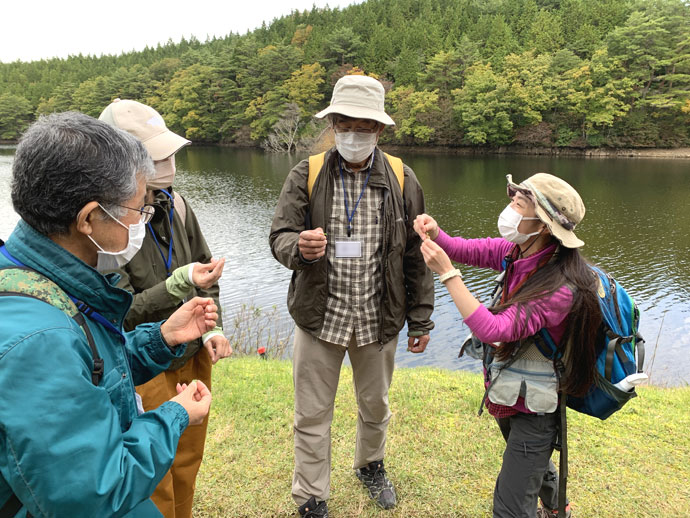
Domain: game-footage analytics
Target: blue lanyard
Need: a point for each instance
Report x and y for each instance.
(168, 261)
(350, 217)
(81, 306)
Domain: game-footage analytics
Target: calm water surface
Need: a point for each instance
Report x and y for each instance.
(636, 227)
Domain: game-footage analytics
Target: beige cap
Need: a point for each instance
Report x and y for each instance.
(558, 205)
(359, 97)
(146, 124)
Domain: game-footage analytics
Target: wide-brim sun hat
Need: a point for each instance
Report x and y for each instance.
(558, 205)
(147, 125)
(359, 97)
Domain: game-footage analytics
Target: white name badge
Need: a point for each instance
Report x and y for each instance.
(345, 248)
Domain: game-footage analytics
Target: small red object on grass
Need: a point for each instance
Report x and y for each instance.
(262, 352)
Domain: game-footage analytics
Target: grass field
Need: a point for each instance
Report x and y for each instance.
(442, 458)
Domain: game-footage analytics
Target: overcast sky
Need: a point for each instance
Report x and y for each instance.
(32, 30)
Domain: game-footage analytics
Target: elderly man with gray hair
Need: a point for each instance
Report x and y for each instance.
(343, 224)
(73, 440)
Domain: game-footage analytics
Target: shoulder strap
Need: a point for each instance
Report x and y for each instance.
(11, 507)
(25, 282)
(180, 207)
(316, 163)
(397, 165)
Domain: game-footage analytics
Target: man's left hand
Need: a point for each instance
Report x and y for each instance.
(417, 344)
(191, 320)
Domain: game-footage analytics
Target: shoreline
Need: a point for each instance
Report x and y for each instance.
(682, 153)
(675, 153)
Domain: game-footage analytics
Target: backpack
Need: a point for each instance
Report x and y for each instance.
(619, 344)
(316, 163)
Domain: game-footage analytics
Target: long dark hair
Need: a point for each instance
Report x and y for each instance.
(578, 345)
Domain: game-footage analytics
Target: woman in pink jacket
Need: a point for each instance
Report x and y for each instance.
(546, 284)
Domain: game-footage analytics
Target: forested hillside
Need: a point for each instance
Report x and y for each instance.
(577, 73)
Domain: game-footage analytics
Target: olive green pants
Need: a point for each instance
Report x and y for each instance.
(316, 372)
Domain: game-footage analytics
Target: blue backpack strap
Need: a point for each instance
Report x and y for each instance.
(546, 345)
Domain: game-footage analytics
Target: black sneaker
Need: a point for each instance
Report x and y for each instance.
(381, 490)
(312, 509)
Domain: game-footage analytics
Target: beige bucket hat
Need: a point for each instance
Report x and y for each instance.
(359, 97)
(558, 205)
(146, 124)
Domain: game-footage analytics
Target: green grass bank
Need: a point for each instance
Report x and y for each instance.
(441, 456)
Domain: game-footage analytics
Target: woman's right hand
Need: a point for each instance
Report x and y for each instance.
(426, 227)
(195, 398)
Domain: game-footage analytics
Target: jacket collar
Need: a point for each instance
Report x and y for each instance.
(69, 272)
(379, 173)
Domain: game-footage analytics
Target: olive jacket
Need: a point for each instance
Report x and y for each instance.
(407, 293)
(145, 274)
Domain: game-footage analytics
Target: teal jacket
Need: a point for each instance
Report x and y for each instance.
(67, 447)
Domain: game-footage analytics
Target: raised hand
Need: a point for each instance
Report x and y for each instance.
(195, 398)
(218, 347)
(312, 244)
(435, 258)
(426, 227)
(190, 321)
(206, 275)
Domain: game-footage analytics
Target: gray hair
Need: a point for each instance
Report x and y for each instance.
(65, 160)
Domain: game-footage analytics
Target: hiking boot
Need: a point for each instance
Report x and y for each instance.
(313, 509)
(381, 490)
(545, 513)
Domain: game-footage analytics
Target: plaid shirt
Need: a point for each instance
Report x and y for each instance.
(354, 284)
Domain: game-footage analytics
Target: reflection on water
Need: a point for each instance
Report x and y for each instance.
(636, 227)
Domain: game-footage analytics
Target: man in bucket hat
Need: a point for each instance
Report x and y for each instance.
(344, 227)
(174, 264)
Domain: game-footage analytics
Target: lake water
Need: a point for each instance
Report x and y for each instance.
(637, 227)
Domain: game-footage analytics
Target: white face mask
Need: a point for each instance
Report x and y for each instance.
(165, 174)
(508, 223)
(355, 147)
(114, 260)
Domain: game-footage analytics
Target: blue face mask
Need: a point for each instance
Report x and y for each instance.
(508, 223)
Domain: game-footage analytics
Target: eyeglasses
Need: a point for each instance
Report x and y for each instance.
(366, 131)
(147, 212)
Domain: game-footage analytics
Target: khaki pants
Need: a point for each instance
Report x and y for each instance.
(316, 371)
(175, 493)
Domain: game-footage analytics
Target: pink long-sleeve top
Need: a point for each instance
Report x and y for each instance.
(549, 312)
